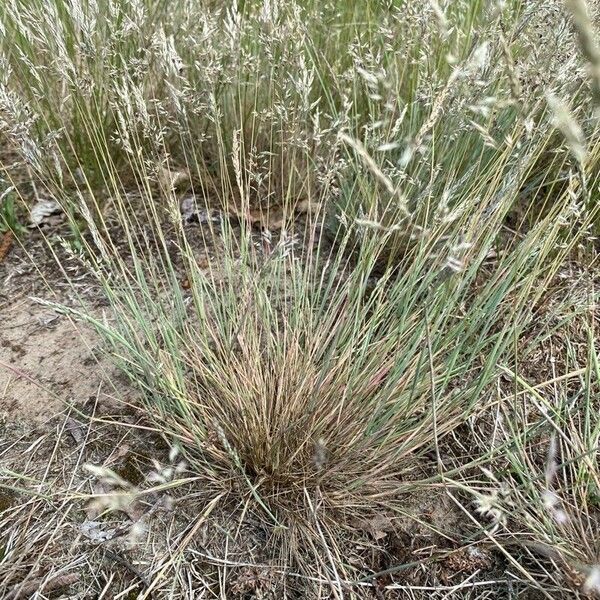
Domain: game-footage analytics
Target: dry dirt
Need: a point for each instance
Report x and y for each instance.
(47, 361)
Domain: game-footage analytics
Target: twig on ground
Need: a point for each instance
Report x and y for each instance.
(25, 590)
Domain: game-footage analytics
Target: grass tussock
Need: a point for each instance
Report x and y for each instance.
(326, 233)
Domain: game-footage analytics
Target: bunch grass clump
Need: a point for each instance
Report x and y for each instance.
(351, 291)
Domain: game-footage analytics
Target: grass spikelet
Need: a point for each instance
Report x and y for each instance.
(564, 120)
(587, 40)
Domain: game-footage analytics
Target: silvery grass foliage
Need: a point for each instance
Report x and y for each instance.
(425, 89)
(306, 372)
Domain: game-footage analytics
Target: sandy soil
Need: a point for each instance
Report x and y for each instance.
(47, 361)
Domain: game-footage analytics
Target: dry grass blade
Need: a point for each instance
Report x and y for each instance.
(42, 585)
